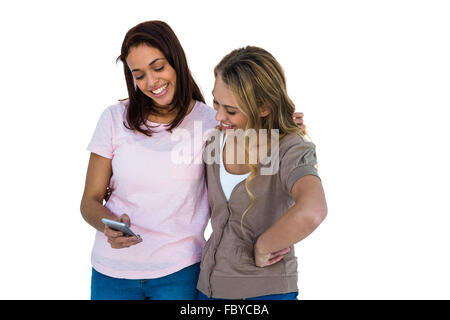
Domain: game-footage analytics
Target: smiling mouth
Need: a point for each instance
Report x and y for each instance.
(160, 91)
(226, 126)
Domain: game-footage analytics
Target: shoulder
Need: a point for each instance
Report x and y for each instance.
(113, 116)
(294, 141)
(119, 108)
(117, 111)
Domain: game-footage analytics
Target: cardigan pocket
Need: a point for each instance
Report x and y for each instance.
(245, 255)
(246, 261)
(247, 264)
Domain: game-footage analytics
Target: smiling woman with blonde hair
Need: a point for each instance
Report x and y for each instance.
(256, 218)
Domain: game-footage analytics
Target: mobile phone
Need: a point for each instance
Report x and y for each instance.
(119, 226)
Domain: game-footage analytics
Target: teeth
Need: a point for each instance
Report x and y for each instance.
(158, 91)
(225, 125)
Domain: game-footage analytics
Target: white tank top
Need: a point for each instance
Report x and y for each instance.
(228, 180)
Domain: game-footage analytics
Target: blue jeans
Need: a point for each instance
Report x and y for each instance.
(181, 285)
(281, 296)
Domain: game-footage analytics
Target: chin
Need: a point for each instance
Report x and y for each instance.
(163, 101)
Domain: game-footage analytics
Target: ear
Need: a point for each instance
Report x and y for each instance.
(264, 111)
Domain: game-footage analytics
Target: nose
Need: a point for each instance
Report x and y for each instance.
(152, 81)
(221, 114)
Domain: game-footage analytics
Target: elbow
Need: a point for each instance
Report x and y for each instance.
(316, 216)
(89, 201)
(85, 204)
(319, 216)
(83, 208)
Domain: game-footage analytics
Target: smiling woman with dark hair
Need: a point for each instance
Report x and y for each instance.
(143, 100)
(165, 203)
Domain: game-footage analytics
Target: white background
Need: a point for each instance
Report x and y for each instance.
(372, 77)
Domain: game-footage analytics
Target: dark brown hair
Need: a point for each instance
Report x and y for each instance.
(159, 35)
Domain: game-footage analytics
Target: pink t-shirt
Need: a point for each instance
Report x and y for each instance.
(159, 182)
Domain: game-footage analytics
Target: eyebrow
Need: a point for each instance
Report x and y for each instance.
(225, 105)
(148, 64)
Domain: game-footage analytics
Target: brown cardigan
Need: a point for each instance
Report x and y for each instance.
(228, 268)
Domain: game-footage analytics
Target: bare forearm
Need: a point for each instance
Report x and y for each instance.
(93, 212)
(291, 228)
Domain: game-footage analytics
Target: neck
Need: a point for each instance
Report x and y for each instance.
(163, 114)
(238, 146)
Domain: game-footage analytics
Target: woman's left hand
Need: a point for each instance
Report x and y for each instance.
(267, 259)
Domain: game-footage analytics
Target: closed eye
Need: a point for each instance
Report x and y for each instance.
(216, 106)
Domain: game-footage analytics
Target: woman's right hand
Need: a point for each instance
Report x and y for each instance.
(116, 238)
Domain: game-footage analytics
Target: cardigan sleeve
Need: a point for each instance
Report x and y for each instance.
(296, 162)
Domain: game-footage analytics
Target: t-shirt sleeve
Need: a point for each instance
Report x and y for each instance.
(102, 139)
(298, 161)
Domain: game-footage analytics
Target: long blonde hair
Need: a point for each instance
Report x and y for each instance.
(257, 80)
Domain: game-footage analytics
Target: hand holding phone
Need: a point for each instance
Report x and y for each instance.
(119, 234)
(119, 226)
